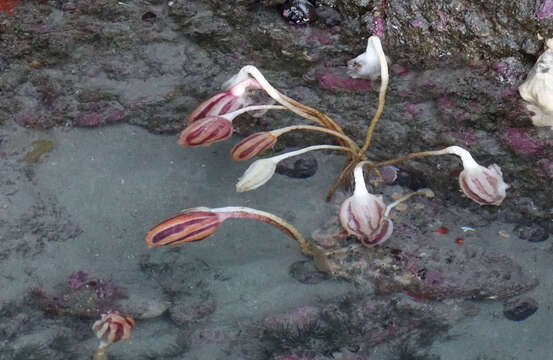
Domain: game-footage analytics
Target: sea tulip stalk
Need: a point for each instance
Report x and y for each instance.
(198, 223)
(260, 142)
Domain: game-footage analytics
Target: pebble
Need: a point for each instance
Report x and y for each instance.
(520, 309)
(531, 231)
(305, 272)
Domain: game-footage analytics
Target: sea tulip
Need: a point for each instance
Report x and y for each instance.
(111, 328)
(257, 174)
(367, 65)
(188, 225)
(260, 171)
(200, 222)
(212, 129)
(253, 145)
(364, 214)
(225, 102)
(484, 186)
(206, 131)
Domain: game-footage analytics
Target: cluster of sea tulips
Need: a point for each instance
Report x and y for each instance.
(363, 215)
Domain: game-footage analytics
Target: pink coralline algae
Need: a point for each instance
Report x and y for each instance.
(519, 140)
(547, 165)
(94, 119)
(378, 27)
(321, 38)
(510, 92)
(444, 20)
(446, 102)
(416, 24)
(400, 70)
(413, 109)
(468, 137)
(328, 80)
(77, 280)
(546, 9)
(505, 69)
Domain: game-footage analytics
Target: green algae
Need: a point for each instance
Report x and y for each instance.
(39, 148)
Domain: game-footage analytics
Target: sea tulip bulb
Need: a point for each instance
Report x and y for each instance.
(253, 145)
(188, 225)
(225, 102)
(206, 131)
(367, 65)
(111, 328)
(484, 186)
(210, 129)
(257, 174)
(363, 214)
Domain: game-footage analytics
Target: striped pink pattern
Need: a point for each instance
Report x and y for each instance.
(206, 131)
(253, 145)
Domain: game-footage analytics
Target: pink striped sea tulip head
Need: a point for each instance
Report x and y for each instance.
(188, 225)
(253, 145)
(484, 186)
(225, 102)
(363, 217)
(206, 131)
(112, 327)
(364, 214)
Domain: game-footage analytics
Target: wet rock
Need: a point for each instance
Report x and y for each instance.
(531, 231)
(301, 166)
(305, 272)
(340, 327)
(329, 16)
(413, 180)
(520, 309)
(187, 311)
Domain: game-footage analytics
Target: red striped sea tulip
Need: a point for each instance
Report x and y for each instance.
(206, 131)
(485, 186)
(364, 214)
(225, 102)
(188, 225)
(111, 328)
(200, 222)
(253, 145)
(212, 129)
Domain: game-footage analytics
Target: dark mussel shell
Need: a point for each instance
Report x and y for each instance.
(299, 11)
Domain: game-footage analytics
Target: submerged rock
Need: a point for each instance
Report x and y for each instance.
(413, 263)
(520, 309)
